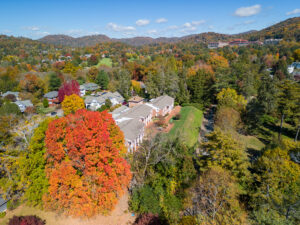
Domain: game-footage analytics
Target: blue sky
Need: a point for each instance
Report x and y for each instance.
(119, 19)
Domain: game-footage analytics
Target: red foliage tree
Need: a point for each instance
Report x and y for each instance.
(85, 165)
(148, 219)
(26, 220)
(68, 88)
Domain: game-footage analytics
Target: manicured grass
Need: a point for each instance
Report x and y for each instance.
(105, 61)
(188, 127)
(252, 142)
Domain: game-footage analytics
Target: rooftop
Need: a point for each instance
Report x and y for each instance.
(162, 101)
(51, 94)
(136, 99)
(131, 128)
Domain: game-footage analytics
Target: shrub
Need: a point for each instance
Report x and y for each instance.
(30, 110)
(10, 97)
(2, 214)
(45, 103)
(161, 121)
(26, 220)
(148, 219)
(9, 108)
(177, 116)
(13, 204)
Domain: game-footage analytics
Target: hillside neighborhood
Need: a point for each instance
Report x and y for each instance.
(149, 113)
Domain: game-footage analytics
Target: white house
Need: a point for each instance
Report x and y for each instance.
(162, 104)
(15, 93)
(96, 101)
(88, 87)
(23, 105)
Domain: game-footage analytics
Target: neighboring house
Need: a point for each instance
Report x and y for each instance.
(96, 101)
(272, 41)
(136, 100)
(118, 111)
(16, 94)
(162, 104)
(88, 87)
(219, 44)
(142, 112)
(133, 130)
(3, 204)
(52, 97)
(294, 66)
(23, 105)
(239, 42)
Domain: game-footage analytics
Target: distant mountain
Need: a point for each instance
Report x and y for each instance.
(288, 29)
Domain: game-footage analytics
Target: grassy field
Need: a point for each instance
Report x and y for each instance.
(252, 142)
(188, 126)
(105, 61)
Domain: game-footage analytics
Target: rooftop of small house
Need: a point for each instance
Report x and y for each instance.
(138, 111)
(89, 86)
(51, 94)
(136, 99)
(162, 101)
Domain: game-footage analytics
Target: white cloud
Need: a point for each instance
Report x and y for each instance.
(211, 27)
(32, 28)
(199, 22)
(119, 28)
(142, 22)
(161, 20)
(173, 27)
(247, 11)
(187, 25)
(154, 31)
(295, 11)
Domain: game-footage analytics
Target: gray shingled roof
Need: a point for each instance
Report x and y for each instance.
(15, 93)
(51, 94)
(101, 98)
(26, 103)
(137, 111)
(162, 101)
(89, 86)
(131, 128)
(119, 110)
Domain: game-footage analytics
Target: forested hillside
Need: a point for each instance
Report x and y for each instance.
(227, 151)
(288, 30)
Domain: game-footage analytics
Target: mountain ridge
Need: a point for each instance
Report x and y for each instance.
(288, 29)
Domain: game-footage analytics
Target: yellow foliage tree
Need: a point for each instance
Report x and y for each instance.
(229, 97)
(72, 103)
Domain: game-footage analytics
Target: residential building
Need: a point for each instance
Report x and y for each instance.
(294, 66)
(88, 87)
(239, 42)
(135, 100)
(133, 130)
(23, 105)
(272, 41)
(218, 44)
(118, 111)
(162, 104)
(15, 93)
(52, 97)
(96, 101)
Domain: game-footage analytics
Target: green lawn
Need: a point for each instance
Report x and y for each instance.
(252, 142)
(105, 61)
(188, 127)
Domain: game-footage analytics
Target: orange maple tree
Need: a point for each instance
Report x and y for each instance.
(85, 166)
